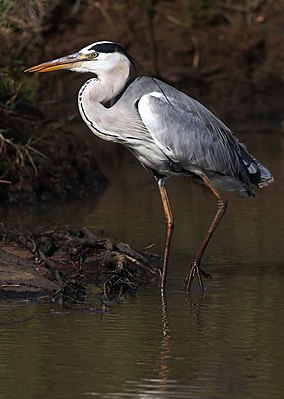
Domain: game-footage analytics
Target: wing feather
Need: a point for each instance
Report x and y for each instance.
(190, 134)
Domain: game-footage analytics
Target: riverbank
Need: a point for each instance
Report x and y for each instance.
(58, 264)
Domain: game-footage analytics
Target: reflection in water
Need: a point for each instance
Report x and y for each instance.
(163, 382)
(227, 343)
(165, 344)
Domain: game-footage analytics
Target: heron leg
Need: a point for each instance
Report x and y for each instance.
(169, 228)
(194, 268)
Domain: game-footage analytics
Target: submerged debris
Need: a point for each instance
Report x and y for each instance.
(71, 260)
(70, 293)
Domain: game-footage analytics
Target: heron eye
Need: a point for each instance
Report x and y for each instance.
(94, 55)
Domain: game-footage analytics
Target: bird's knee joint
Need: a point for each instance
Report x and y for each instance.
(222, 203)
(170, 225)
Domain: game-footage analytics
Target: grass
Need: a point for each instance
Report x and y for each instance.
(20, 29)
(20, 153)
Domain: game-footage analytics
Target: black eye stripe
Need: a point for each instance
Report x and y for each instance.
(107, 48)
(110, 48)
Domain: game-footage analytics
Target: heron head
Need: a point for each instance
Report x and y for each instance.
(97, 58)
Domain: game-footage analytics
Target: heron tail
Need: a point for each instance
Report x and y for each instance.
(257, 172)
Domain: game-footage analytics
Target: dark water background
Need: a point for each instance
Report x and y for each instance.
(227, 343)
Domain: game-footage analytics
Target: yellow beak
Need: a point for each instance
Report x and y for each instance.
(68, 62)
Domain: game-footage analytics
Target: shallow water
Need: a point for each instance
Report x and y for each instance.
(226, 343)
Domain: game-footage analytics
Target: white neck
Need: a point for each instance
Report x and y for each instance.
(108, 84)
(97, 91)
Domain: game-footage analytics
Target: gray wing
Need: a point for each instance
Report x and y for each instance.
(190, 134)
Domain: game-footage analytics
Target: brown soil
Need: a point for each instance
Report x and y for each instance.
(20, 277)
(57, 264)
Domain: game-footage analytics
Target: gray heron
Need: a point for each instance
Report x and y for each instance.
(170, 133)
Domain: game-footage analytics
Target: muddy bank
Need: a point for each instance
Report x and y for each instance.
(57, 265)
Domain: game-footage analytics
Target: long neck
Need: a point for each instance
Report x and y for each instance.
(107, 85)
(97, 91)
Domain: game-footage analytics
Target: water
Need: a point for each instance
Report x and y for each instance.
(227, 343)
(224, 344)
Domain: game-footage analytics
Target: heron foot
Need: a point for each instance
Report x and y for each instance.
(195, 270)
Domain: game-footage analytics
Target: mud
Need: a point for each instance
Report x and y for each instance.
(58, 265)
